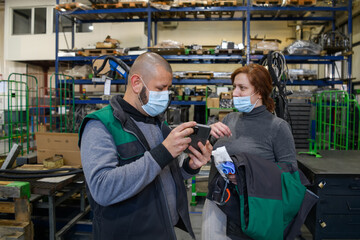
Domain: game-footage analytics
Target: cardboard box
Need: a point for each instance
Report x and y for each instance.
(213, 102)
(65, 144)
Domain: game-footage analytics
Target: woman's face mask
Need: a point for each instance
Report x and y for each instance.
(243, 104)
(157, 103)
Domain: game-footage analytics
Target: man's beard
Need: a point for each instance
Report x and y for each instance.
(142, 96)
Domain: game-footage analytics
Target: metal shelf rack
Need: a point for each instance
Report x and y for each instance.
(244, 14)
(247, 14)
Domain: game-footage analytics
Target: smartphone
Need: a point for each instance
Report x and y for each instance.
(201, 134)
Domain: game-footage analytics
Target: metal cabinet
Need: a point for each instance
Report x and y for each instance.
(335, 178)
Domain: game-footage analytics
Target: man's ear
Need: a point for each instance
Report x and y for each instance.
(136, 83)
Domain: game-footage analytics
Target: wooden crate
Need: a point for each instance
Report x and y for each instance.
(199, 75)
(135, 4)
(125, 4)
(98, 52)
(224, 3)
(229, 52)
(16, 230)
(71, 6)
(267, 2)
(301, 2)
(16, 205)
(167, 51)
(194, 3)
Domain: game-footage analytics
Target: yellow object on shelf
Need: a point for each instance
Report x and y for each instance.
(54, 162)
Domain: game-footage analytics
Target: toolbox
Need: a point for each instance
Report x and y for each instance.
(335, 178)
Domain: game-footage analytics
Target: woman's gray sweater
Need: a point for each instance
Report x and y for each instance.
(261, 133)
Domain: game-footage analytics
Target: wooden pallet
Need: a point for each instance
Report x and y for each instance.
(97, 52)
(167, 51)
(135, 4)
(16, 207)
(259, 51)
(229, 52)
(221, 14)
(306, 77)
(200, 52)
(225, 3)
(71, 6)
(301, 2)
(199, 75)
(267, 2)
(194, 3)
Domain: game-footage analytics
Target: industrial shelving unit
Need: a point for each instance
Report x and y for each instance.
(248, 14)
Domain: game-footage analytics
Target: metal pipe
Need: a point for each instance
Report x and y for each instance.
(149, 27)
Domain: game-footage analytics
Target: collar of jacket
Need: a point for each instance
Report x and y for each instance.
(120, 106)
(256, 111)
(122, 111)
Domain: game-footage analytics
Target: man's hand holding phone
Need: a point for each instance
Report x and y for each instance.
(177, 141)
(193, 139)
(200, 148)
(198, 159)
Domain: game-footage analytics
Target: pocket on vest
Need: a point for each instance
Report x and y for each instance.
(129, 152)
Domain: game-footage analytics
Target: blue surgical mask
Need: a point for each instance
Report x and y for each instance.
(243, 104)
(157, 103)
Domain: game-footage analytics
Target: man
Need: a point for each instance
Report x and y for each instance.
(129, 157)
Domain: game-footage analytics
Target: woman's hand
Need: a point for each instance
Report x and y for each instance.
(219, 130)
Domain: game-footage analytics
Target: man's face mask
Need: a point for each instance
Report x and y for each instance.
(243, 104)
(157, 103)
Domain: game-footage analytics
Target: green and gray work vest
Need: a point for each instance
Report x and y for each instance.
(145, 215)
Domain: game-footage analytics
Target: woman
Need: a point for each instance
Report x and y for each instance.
(254, 129)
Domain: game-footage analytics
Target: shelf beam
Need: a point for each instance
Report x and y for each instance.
(97, 101)
(220, 58)
(225, 81)
(203, 9)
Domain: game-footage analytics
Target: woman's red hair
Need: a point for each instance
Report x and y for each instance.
(260, 78)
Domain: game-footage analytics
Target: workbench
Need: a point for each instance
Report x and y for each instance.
(335, 178)
(52, 192)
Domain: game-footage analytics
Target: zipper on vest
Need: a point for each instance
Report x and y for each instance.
(159, 183)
